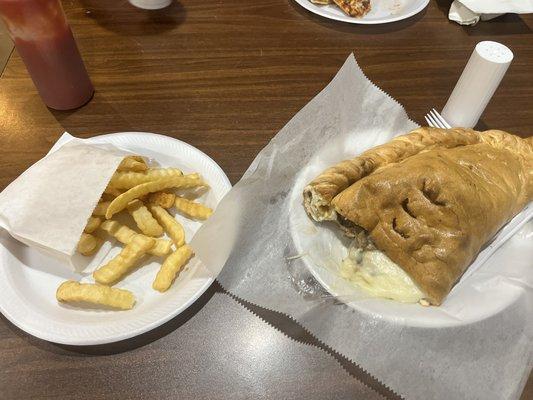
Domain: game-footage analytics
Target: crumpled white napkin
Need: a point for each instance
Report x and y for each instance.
(469, 12)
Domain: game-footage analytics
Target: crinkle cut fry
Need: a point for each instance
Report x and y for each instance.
(181, 182)
(172, 227)
(192, 209)
(92, 224)
(75, 292)
(123, 262)
(124, 235)
(132, 163)
(171, 267)
(127, 180)
(162, 199)
(88, 244)
(144, 219)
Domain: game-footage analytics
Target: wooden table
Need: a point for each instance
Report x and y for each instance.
(225, 77)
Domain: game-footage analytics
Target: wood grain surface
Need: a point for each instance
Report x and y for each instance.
(225, 76)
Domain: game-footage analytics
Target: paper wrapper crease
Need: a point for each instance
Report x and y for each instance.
(477, 345)
(48, 205)
(469, 12)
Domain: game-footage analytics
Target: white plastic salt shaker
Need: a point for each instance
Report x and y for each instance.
(151, 4)
(478, 82)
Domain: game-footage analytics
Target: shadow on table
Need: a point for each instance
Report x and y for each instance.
(126, 19)
(507, 24)
(346, 27)
(444, 6)
(98, 107)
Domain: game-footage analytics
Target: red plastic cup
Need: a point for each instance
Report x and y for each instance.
(45, 43)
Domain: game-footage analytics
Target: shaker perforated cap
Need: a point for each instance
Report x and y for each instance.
(494, 52)
(151, 4)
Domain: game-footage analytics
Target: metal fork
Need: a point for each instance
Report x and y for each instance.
(435, 120)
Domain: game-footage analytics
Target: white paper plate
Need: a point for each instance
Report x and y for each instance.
(382, 12)
(495, 286)
(27, 287)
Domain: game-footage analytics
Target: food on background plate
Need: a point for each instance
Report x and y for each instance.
(142, 184)
(420, 207)
(354, 8)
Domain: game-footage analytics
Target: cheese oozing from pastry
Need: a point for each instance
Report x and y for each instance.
(379, 276)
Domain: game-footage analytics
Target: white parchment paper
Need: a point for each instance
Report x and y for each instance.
(499, 6)
(429, 353)
(469, 12)
(48, 205)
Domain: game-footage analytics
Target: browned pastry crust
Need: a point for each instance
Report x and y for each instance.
(354, 8)
(319, 192)
(432, 211)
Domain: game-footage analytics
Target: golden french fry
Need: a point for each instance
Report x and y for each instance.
(172, 227)
(92, 224)
(171, 267)
(139, 159)
(115, 269)
(88, 244)
(106, 197)
(101, 208)
(122, 201)
(132, 163)
(162, 199)
(71, 291)
(127, 180)
(114, 192)
(192, 209)
(124, 235)
(144, 219)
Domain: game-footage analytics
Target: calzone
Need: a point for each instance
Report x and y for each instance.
(421, 207)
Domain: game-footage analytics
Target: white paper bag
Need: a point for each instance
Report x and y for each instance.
(48, 205)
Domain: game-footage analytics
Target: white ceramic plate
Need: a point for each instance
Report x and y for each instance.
(382, 12)
(27, 287)
(492, 288)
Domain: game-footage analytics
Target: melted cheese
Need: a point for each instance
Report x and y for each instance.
(379, 276)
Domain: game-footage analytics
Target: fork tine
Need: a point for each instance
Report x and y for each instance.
(440, 118)
(431, 121)
(436, 119)
(433, 114)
